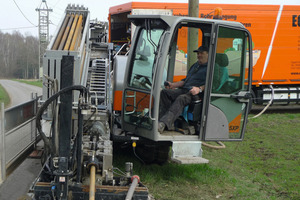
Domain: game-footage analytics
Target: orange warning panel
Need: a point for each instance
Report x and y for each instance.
(118, 100)
(234, 125)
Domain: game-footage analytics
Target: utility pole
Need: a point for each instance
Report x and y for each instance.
(43, 32)
(192, 33)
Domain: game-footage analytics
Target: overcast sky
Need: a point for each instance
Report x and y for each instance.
(20, 15)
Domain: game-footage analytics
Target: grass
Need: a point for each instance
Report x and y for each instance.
(4, 97)
(34, 82)
(266, 165)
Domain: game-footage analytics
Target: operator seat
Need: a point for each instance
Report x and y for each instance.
(220, 72)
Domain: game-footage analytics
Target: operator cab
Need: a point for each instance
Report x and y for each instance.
(159, 54)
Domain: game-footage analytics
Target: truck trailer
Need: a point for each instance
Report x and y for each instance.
(275, 33)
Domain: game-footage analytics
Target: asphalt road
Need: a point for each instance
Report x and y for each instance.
(19, 92)
(19, 181)
(17, 184)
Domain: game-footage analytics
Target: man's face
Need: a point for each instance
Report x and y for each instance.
(202, 57)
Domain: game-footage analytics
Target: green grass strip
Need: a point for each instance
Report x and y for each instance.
(38, 83)
(4, 97)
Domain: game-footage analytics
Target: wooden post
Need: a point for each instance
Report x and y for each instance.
(192, 34)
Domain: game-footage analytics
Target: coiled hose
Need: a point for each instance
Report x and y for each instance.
(48, 146)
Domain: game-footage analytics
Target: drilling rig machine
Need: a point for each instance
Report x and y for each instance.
(93, 98)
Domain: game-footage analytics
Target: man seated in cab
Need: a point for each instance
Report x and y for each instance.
(179, 94)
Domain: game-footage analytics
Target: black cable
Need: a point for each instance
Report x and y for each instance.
(74, 150)
(23, 14)
(48, 145)
(86, 122)
(138, 156)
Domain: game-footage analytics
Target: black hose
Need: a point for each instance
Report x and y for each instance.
(81, 88)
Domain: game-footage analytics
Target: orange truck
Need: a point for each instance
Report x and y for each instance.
(275, 31)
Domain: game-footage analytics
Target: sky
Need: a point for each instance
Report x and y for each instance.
(21, 15)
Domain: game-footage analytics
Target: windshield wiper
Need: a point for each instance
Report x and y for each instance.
(148, 30)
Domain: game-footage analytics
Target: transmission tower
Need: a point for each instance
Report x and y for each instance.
(43, 11)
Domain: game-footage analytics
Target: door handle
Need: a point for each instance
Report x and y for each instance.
(242, 96)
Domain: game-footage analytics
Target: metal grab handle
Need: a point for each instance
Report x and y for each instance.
(242, 96)
(153, 78)
(134, 104)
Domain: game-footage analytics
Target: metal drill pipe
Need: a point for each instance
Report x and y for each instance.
(67, 45)
(78, 39)
(77, 33)
(92, 182)
(66, 33)
(62, 30)
(135, 180)
(82, 62)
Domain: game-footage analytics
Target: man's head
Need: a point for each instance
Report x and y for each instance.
(202, 54)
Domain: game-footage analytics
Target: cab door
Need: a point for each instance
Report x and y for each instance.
(227, 103)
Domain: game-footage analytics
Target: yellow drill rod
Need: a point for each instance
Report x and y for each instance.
(77, 33)
(62, 29)
(63, 40)
(78, 40)
(92, 182)
(67, 45)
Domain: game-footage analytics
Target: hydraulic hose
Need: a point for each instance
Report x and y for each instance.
(81, 88)
(267, 106)
(222, 146)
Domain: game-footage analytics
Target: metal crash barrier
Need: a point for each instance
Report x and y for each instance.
(17, 133)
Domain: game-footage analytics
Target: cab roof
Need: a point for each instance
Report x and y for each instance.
(139, 20)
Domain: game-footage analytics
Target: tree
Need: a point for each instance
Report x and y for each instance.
(18, 55)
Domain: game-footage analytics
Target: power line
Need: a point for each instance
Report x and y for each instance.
(56, 3)
(51, 23)
(23, 14)
(57, 8)
(57, 15)
(7, 29)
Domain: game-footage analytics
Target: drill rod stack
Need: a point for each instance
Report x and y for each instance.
(71, 39)
(69, 35)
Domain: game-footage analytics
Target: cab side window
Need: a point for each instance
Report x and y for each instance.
(179, 57)
(229, 74)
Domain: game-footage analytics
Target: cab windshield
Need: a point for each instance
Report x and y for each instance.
(144, 55)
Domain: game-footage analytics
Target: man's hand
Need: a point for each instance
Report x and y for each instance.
(195, 90)
(174, 85)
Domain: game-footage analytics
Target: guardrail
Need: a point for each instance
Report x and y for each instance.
(17, 133)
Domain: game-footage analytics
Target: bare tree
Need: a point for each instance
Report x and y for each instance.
(18, 55)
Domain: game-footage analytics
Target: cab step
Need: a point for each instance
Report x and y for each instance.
(187, 152)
